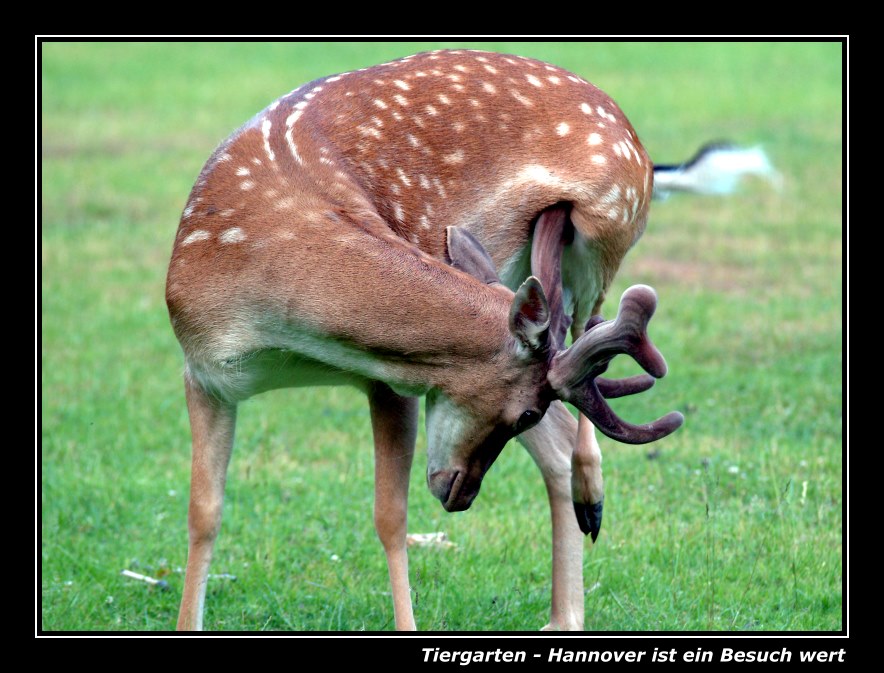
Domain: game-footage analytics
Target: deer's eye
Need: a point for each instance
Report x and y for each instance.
(528, 419)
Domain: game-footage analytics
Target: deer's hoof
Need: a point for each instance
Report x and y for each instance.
(589, 517)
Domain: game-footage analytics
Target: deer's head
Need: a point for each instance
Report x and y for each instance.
(468, 426)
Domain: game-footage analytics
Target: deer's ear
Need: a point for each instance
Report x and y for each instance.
(467, 254)
(530, 316)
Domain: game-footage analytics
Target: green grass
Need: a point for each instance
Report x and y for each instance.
(735, 524)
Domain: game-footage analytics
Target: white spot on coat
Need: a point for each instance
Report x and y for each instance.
(431, 110)
(402, 85)
(246, 185)
(405, 179)
(527, 102)
(292, 148)
(489, 87)
(198, 235)
(533, 81)
(425, 183)
(594, 139)
(232, 235)
(381, 104)
(456, 157)
(612, 196)
(598, 159)
(585, 108)
(554, 80)
(445, 100)
(491, 69)
(402, 100)
(563, 129)
(412, 140)
(461, 68)
(242, 170)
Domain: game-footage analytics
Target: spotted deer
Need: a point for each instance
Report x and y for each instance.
(380, 228)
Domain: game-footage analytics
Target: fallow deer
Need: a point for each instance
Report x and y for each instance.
(352, 233)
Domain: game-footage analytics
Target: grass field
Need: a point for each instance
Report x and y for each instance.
(732, 524)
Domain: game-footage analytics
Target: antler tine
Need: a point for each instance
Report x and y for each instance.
(575, 371)
(611, 388)
(546, 265)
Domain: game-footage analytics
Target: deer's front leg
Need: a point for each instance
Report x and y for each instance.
(394, 423)
(212, 425)
(551, 444)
